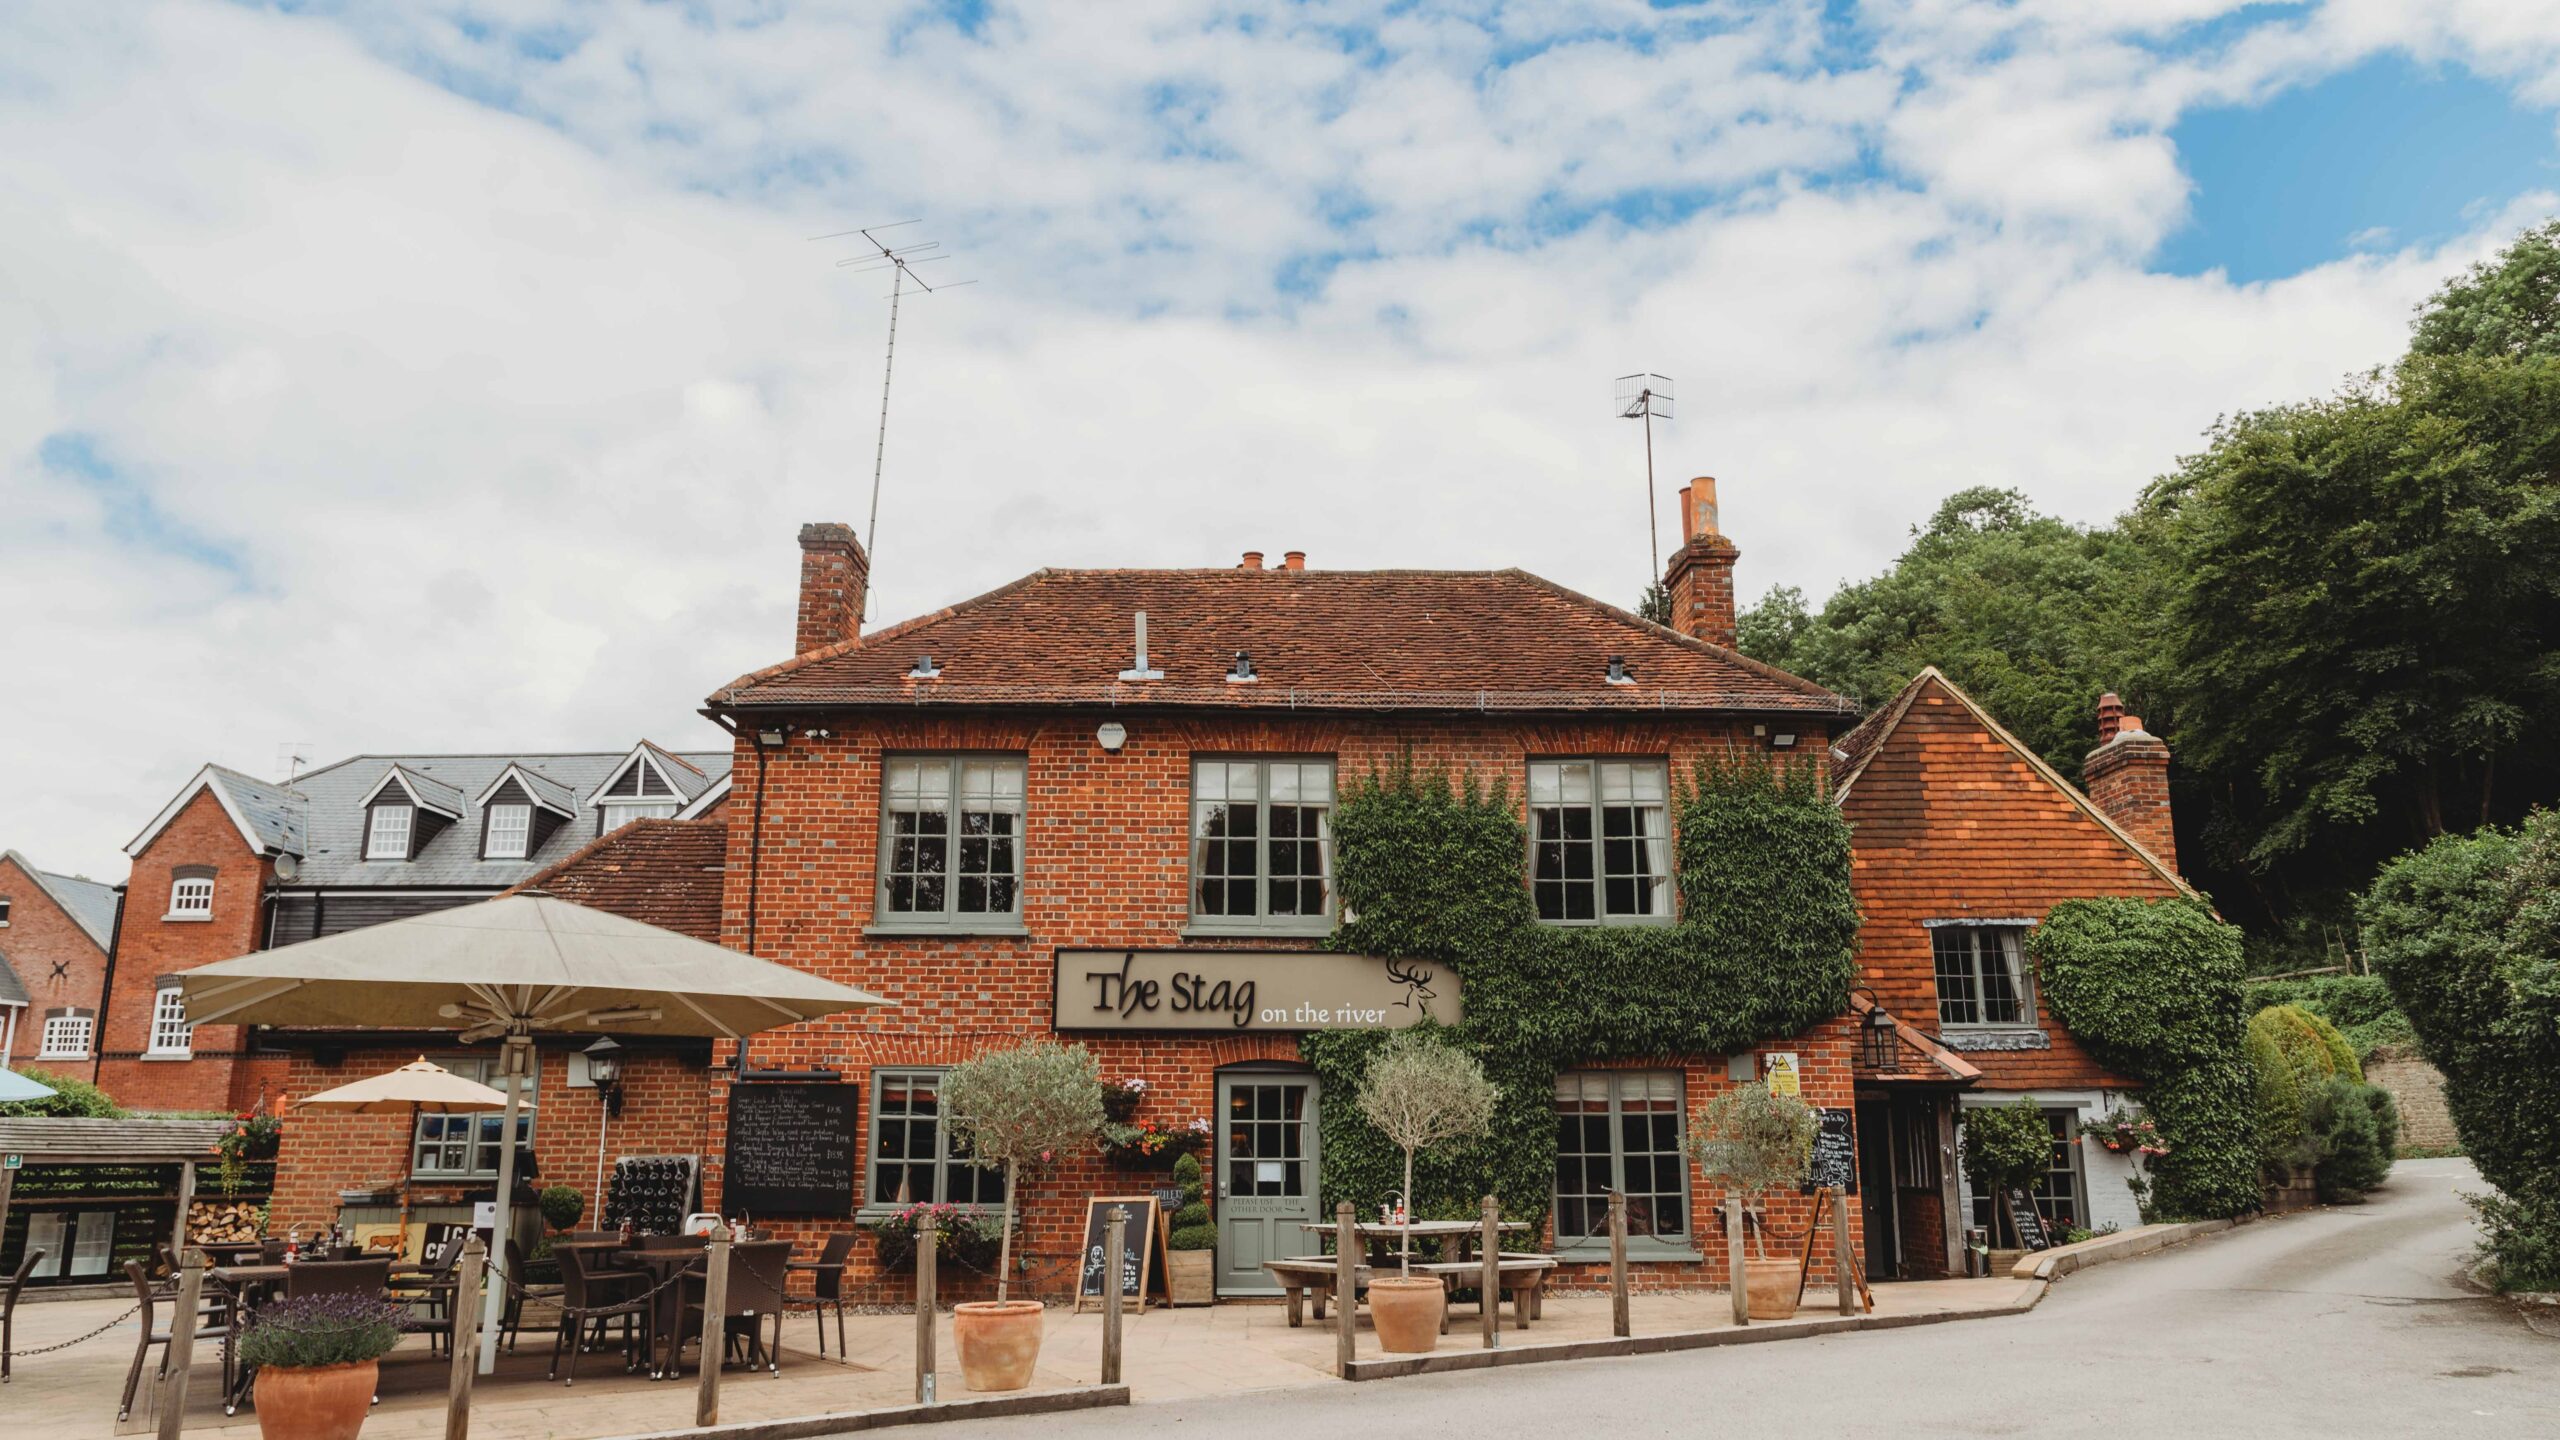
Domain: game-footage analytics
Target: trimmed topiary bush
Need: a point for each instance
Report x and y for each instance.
(2352, 1129)
(2292, 1054)
(562, 1207)
(1192, 1228)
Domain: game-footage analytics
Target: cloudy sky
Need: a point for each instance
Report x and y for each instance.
(453, 376)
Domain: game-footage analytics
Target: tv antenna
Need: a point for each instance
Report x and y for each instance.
(900, 261)
(1647, 397)
(291, 756)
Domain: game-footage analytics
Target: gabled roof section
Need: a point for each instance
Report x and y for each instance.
(685, 778)
(91, 905)
(433, 796)
(1319, 639)
(712, 794)
(270, 818)
(1852, 753)
(667, 873)
(548, 793)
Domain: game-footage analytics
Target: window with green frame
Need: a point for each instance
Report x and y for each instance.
(951, 840)
(464, 1146)
(1600, 841)
(1621, 1130)
(914, 1158)
(1262, 844)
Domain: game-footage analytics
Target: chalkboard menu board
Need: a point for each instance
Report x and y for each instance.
(1835, 1152)
(791, 1150)
(1137, 1248)
(2022, 1213)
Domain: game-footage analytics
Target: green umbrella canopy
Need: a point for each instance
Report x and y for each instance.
(520, 964)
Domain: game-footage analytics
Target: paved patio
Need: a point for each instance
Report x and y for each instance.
(1234, 1348)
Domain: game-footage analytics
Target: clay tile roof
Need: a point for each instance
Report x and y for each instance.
(666, 873)
(1319, 639)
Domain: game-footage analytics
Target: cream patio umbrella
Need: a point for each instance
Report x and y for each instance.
(506, 969)
(419, 1086)
(14, 1086)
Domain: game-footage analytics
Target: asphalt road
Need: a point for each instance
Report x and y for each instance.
(2348, 1322)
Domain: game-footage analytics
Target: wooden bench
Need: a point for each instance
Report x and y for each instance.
(1523, 1278)
(1310, 1279)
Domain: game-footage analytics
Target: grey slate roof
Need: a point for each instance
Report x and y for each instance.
(431, 792)
(271, 810)
(330, 800)
(548, 790)
(91, 905)
(12, 990)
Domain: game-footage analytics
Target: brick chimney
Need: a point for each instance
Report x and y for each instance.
(2128, 777)
(1701, 575)
(833, 572)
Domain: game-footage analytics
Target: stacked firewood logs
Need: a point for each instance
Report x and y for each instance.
(221, 1221)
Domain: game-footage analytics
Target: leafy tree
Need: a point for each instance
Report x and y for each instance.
(2507, 307)
(1022, 1106)
(1750, 1142)
(2005, 1148)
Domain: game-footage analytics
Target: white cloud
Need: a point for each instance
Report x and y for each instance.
(452, 391)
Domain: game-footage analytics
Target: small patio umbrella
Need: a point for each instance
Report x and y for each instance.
(420, 1086)
(14, 1086)
(505, 969)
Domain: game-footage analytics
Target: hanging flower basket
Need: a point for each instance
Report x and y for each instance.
(1149, 1146)
(1121, 1098)
(2122, 1134)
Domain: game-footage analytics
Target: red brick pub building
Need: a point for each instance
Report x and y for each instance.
(1006, 816)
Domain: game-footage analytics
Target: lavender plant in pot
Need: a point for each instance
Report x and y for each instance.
(1418, 1092)
(1752, 1142)
(1013, 1109)
(315, 1359)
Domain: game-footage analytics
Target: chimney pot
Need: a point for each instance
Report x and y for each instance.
(2127, 777)
(1252, 560)
(1294, 560)
(1700, 579)
(2110, 716)
(834, 573)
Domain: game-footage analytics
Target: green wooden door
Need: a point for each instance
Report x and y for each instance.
(1266, 1177)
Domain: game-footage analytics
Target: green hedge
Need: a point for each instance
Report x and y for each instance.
(2464, 933)
(2292, 1054)
(1429, 868)
(2152, 987)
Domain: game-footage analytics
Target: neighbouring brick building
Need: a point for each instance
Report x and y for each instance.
(54, 934)
(234, 864)
(984, 813)
(1962, 840)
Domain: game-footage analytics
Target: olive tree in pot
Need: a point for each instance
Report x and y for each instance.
(1418, 1092)
(2005, 1148)
(1014, 1108)
(1751, 1142)
(315, 1359)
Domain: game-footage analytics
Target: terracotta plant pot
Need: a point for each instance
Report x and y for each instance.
(999, 1342)
(1192, 1276)
(1406, 1312)
(324, 1402)
(1772, 1288)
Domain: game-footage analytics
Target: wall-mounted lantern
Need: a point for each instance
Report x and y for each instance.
(604, 1067)
(1879, 1048)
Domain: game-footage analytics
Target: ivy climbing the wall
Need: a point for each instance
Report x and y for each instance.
(1429, 867)
(2152, 987)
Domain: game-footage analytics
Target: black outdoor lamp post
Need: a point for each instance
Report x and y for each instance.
(1878, 1047)
(604, 1067)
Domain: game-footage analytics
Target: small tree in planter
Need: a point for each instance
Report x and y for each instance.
(1418, 1092)
(315, 1359)
(1189, 1271)
(2005, 1148)
(1751, 1142)
(563, 1207)
(1012, 1108)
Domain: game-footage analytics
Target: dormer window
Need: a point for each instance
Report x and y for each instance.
(638, 791)
(386, 834)
(510, 826)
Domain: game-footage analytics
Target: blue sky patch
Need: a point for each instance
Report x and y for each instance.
(132, 517)
(2383, 156)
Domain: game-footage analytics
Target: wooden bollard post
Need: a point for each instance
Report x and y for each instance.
(1733, 1248)
(182, 1342)
(1346, 1288)
(1844, 1261)
(925, 1319)
(1620, 1324)
(466, 1338)
(1115, 1248)
(715, 1326)
(1489, 1281)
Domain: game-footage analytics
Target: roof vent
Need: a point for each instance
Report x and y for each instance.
(925, 669)
(1243, 673)
(1619, 674)
(1141, 670)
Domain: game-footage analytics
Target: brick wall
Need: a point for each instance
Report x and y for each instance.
(150, 946)
(62, 968)
(1948, 823)
(2419, 1088)
(663, 1114)
(1106, 865)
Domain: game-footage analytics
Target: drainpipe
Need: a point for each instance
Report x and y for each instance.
(106, 992)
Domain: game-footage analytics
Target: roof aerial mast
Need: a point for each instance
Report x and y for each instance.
(1647, 398)
(899, 261)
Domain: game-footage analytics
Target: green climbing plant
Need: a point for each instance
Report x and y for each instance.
(1429, 867)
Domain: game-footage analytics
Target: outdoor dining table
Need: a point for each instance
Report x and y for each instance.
(666, 1307)
(1382, 1235)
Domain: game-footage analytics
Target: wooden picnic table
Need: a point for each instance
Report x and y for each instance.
(1379, 1234)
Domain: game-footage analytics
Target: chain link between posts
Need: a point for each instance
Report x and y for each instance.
(130, 1310)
